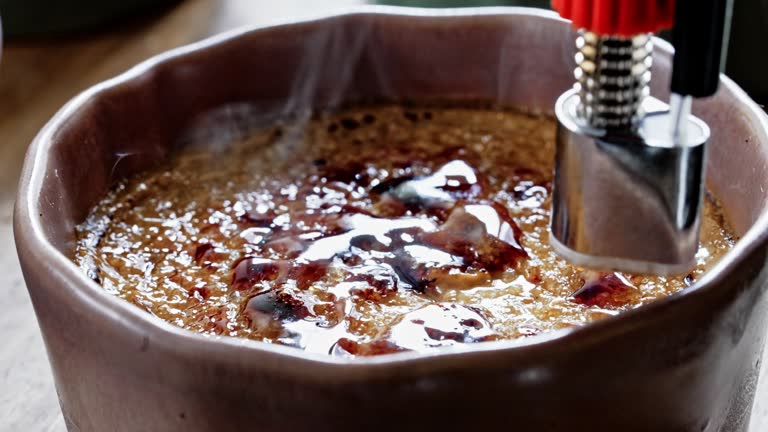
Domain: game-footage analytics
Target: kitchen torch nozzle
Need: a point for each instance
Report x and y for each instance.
(629, 169)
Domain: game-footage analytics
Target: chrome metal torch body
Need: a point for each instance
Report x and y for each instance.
(627, 196)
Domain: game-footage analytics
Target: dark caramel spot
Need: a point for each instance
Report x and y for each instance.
(367, 242)
(203, 252)
(199, 291)
(348, 347)
(350, 123)
(411, 116)
(305, 274)
(250, 271)
(380, 280)
(279, 306)
(605, 290)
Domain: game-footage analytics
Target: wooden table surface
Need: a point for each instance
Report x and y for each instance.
(36, 79)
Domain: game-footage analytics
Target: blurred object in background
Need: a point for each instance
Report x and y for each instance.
(747, 63)
(43, 17)
(236, 13)
(747, 57)
(467, 3)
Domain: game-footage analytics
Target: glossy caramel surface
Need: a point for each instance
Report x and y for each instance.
(364, 232)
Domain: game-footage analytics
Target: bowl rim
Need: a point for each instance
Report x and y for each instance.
(31, 239)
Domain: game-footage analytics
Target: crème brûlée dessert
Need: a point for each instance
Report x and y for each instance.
(366, 231)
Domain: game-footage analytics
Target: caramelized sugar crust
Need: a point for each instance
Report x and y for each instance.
(365, 232)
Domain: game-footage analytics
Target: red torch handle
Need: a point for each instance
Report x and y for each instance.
(617, 17)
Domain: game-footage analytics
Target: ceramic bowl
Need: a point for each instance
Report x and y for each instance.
(688, 362)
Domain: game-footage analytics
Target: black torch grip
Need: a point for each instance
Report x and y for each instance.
(700, 37)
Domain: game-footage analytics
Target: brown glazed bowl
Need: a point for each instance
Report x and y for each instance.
(689, 362)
